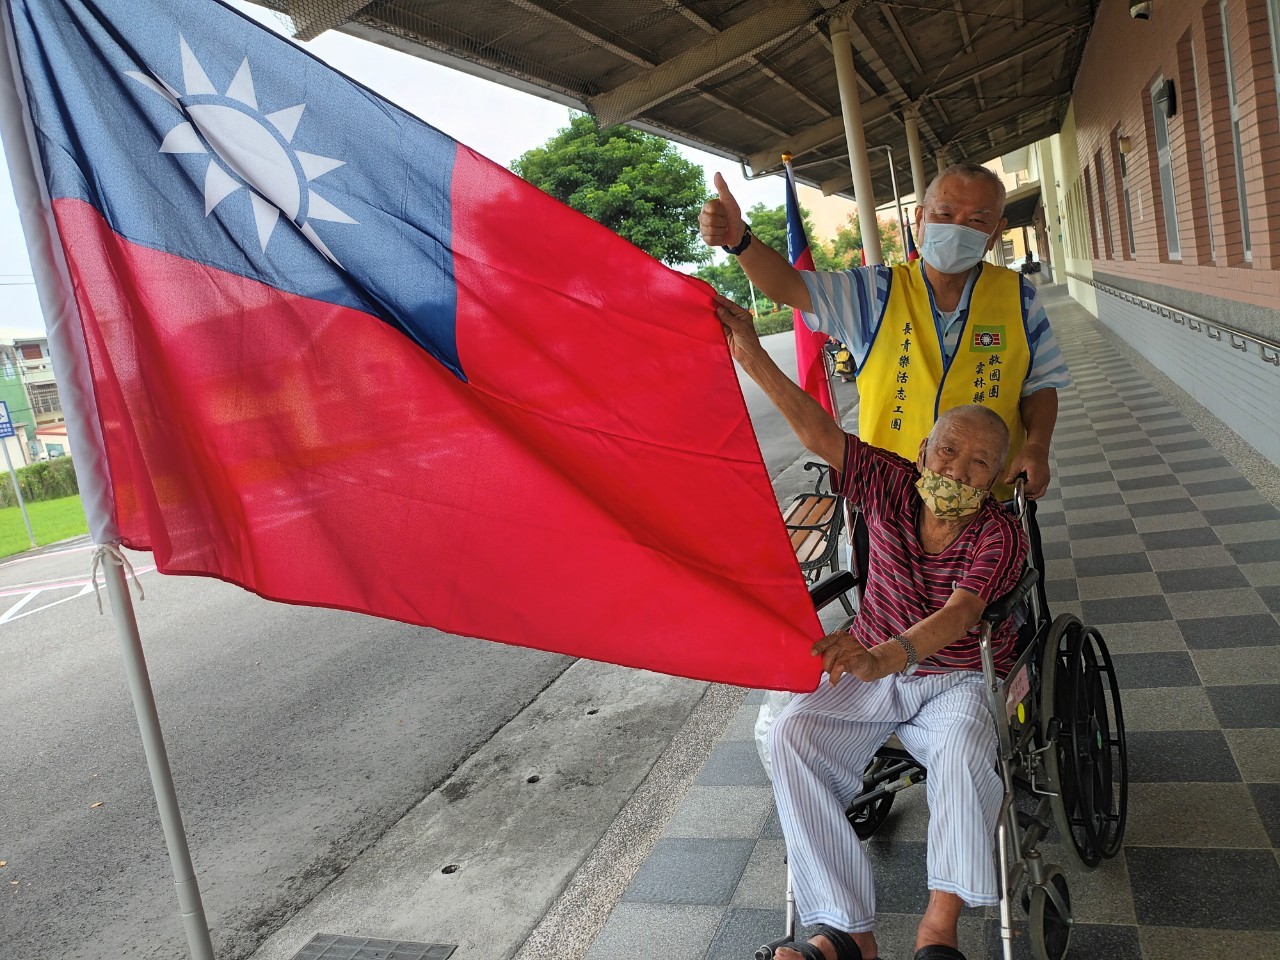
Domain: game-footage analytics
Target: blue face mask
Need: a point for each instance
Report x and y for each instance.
(952, 248)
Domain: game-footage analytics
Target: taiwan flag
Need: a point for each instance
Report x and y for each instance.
(912, 252)
(342, 360)
(810, 363)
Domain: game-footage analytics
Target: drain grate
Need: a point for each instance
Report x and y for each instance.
(326, 946)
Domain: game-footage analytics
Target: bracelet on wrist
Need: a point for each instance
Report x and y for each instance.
(913, 659)
(742, 244)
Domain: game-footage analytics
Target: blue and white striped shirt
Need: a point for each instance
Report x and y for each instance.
(849, 305)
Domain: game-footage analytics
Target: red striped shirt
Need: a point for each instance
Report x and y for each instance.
(904, 584)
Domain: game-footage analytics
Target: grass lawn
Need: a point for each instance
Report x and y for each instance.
(51, 521)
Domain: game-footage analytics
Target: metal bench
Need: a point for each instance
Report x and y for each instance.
(814, 521)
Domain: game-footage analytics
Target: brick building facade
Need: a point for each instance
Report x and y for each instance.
(1168, 176)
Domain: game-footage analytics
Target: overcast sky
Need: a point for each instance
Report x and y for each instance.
(498, 122)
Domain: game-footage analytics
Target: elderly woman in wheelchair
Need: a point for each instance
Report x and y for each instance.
(940, 551)
(1061, 759)
(933, 656)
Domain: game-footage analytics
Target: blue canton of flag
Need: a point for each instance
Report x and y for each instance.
(287, 182)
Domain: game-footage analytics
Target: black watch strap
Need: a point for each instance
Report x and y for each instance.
(742, 244)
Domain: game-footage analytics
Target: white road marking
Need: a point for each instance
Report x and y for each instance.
(30, 592)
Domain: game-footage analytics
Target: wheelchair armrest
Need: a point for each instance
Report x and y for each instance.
(998, 610)
(831, 588)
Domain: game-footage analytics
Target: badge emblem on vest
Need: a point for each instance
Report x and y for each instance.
(988, 339)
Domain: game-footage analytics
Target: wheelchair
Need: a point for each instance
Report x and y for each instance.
(1061, 750)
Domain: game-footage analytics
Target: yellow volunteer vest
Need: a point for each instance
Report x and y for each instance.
(903, 383)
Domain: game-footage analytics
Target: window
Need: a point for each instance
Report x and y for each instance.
(1104, 212)
(1095, 224)
(1273, 17)
(1158, 100)
(1204, 161)
(1128, 204)
(44, 398)
(1235, 130)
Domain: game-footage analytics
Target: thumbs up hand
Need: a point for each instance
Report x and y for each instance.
(720, 221)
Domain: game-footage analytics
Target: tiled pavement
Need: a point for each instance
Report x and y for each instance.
(1155, 538)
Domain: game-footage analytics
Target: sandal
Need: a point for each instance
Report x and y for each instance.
(938, 951)
(846, 947)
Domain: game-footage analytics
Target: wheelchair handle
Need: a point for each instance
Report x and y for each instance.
(1020, 495)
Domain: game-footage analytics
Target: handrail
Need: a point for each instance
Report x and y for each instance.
(1213, 329)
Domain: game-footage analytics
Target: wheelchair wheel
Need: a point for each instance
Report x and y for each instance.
(1081, 722)
(866, 819)
(1049, 925)
(1055, 699)
(1098, 749)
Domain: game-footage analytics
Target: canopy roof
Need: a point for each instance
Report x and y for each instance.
(752, 79)
(1020, 206)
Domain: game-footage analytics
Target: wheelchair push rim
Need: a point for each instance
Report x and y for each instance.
(1099, 751)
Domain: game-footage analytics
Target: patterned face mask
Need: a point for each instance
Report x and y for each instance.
(948, 499)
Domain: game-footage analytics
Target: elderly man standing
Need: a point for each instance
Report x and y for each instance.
(941, 550)
(927, 337)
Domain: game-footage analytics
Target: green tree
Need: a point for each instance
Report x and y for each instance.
(846, 249)
(634, 183)
(728, 279)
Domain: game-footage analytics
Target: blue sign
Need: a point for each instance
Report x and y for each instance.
(6, 425)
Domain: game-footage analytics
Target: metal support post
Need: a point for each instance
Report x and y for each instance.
(144, 706)
(897, 198)
(17, 492)
(856, 139)
(919, 182)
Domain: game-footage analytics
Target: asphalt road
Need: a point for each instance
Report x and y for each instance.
(297, 737)
(778, 445)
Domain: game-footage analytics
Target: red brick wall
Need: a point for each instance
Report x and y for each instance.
(1112, 96)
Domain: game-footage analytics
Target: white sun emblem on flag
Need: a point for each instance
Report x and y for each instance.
(250, 150)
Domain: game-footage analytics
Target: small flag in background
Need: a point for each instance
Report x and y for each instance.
(810, 362)
(340, 359)
(912, 252)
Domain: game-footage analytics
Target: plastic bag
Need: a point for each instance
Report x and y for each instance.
(775, 701)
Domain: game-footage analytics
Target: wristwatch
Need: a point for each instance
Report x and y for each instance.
(913, 659)
(742, 244)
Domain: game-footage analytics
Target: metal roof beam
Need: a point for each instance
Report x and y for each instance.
(707, 27)
(1014, 108)
(816, 136)
(901, 37)
(582, 33)
(845, 181)
(886, 76)
(636, 58)
(824, 132)
(1033, 135)
(307, 24)
(983, 60)
(704, 60)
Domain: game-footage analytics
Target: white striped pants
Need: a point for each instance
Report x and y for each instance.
(822, 743)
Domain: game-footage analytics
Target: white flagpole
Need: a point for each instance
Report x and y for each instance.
(71, 367)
